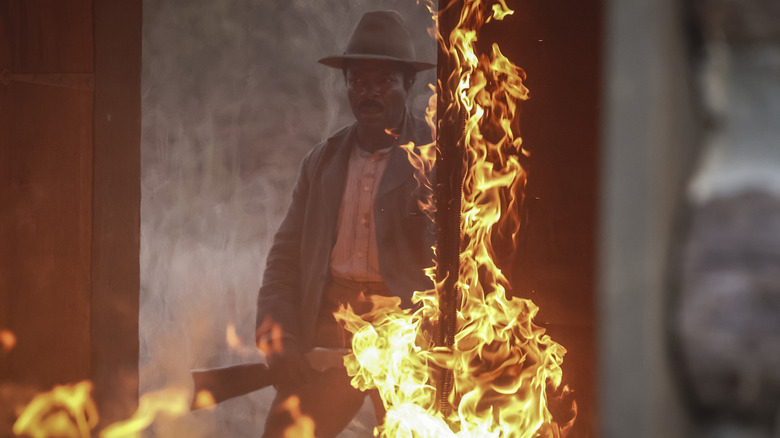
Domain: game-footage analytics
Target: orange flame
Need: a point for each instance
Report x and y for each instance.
(170, 402)
(204, 399)
(69, 411)
(231, 337)
(303, 425)
(66, 411)
(7, 341)
(270, 337)
(502, 362)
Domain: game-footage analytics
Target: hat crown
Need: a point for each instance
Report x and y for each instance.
(381, 33)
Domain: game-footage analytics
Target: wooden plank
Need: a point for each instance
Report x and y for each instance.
(45, 200)
(46, 241)
(116, 207)
(5, 131)
(448, 193)
(53, 36)
(45, 157)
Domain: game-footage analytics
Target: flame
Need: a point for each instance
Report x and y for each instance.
(231, 337)
(7, 341)
(270, 337)
(303, 425)
(69, 411)
(503, 364)
(65, 411)
(204, 399)
(171, 402)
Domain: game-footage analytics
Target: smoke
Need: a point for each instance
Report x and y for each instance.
(232, 99)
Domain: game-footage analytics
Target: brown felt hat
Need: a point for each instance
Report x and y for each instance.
(379, 35)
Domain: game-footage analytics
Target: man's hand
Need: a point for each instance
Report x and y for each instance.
(285, 361)
(290, 368)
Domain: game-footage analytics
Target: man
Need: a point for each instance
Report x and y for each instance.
(354, 228)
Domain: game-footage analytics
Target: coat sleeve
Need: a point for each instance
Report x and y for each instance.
(279, 299)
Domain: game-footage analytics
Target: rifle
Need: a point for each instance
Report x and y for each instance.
(231, 381)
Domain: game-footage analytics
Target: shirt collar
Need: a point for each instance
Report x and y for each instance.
(402, 134)
(379, 153)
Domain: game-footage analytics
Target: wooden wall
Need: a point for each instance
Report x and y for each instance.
(69, 195)
(47, 192)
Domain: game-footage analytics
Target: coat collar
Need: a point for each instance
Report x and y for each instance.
(398, 168)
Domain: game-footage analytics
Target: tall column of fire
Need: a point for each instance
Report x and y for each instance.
(486, 369)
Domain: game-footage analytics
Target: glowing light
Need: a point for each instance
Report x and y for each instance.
(65, 411)
(204, 399)
(270, 337)
(7, 341)
(170, 402)
(231, 337)
(69, 411)
(303, 425)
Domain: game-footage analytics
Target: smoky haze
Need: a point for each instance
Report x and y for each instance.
(232, 98)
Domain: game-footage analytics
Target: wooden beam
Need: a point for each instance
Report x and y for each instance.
(116, 207)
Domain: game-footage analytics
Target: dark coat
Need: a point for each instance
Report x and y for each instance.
(298, 263)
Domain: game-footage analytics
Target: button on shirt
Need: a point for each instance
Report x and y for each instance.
(355, 254)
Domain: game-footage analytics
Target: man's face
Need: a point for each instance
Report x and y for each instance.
(377, 93)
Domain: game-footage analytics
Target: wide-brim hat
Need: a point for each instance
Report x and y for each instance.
(379, 35)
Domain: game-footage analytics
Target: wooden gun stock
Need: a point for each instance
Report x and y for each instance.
(227, 382)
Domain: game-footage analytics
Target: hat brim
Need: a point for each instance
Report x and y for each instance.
(340, 61)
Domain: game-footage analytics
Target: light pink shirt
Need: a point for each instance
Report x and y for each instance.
(355, 254)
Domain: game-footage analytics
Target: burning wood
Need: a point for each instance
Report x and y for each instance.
(496, 365)
(449, 186)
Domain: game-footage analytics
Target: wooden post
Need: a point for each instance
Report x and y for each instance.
(116, 199)
(448, 193)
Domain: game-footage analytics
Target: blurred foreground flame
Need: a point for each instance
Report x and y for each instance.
(504, 366)
(171, 402)
(231, 337)
(204, 399)
(65, 411)
(68, 411)
(303, 425)
(7, 341)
